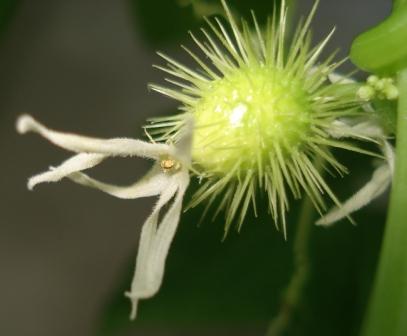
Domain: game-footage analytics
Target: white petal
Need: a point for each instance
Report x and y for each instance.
(362, 130)
(77, 143)
(378, 184)
(74, 164)
(390, 155)
(152, 184)
(156, 238)
(183, 146)
(166, 231)
(335, 77)
(155, 243)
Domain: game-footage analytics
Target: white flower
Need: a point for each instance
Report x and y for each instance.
(363, 129)
(382, 175)
(168, 179)
(264, 113)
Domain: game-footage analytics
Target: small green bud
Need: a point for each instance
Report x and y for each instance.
(381, 88)
(372, 80)
(366, 93)
(391, 92)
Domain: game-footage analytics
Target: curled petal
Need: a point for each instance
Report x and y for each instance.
(170, 183)
(378, 184)
(335, 77)
(390, 155)
(152, 184)
(183, 146)
(363, 130)
(155, 241)
(77, 143)
(74, 164)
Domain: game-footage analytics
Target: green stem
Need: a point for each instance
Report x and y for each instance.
(387, 312)
(294, 289)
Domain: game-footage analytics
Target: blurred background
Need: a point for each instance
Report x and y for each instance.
(67, 252)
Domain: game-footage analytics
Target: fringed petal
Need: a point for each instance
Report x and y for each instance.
(182, 150)
(152, 184)
(155, 241)
(78, 143)
(169, 183)
(365, 130)
(336, 78)
(74, 164)
(378, 184)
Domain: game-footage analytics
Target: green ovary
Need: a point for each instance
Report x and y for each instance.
(246, 117)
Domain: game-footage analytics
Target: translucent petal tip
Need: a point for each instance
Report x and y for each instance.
(33, 181)
(134, 304)
(31, 184)
(25, 123)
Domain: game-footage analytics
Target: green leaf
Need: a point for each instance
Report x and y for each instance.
(383, 49)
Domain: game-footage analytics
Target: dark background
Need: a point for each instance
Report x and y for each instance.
(66, 252)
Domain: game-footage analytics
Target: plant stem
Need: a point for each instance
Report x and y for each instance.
(298, 280)
(387, 312)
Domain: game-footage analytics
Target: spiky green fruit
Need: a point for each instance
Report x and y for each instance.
(251, 113)
(263, 114)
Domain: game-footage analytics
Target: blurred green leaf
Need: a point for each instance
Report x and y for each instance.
(383, 49)
(7, 8)
(165, 21)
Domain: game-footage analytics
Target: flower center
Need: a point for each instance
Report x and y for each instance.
(168, 164)
(248, 116)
